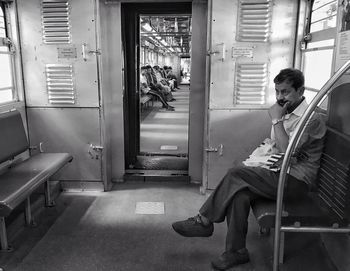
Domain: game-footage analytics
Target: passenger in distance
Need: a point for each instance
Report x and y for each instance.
(145, 89)
(232, 198)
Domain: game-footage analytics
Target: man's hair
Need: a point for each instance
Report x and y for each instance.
(289, 75)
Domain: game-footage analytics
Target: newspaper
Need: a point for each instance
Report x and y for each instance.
(266, 156)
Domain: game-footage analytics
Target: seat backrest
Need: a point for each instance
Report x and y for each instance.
(334, 173)
(13, 139)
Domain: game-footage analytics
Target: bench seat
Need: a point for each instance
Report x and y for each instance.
(305, 212)
(22, 179)
(145, 98)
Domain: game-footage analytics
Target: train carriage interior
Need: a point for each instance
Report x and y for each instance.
(120, 117)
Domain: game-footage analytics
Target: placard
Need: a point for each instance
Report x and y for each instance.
(67, 52)
(246, 51)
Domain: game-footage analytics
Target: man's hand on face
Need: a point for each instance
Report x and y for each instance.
(277, 111)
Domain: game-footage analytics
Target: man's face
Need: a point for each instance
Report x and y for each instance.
(286, 93)
(143, 71)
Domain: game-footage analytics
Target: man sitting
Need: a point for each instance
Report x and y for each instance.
(172, 77)
(145, 89)
(163, 80)
(232, 198)
(155, 85)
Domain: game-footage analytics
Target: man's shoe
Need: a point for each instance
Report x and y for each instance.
(170, 108)
(193, 227)
(229, 259)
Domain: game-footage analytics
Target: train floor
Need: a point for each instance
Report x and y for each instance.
(129, 228)
(166, 132)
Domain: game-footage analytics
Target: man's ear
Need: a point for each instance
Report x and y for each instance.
(301, 90)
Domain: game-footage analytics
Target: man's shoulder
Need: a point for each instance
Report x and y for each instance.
(316, 125)
(319, 116)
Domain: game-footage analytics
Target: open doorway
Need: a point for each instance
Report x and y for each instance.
(158, 103)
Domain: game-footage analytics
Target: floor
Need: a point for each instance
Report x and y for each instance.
(96, 231)
(166, 132)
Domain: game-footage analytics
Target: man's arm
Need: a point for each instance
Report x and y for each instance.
(277, 113)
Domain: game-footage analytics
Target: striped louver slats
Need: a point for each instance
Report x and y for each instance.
(254, 20)
(55, 21)
(60, 85)
(251, 84)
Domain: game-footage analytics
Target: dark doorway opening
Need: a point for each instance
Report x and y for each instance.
(138, 155)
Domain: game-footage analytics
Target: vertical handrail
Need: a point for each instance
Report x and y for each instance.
(325, 90)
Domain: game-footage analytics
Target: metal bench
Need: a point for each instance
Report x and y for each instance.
(145, 100)
(20, 178)
(328, 208)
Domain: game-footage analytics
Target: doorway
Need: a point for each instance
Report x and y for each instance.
(155, 39)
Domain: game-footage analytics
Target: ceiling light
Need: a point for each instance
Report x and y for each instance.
(147, 27)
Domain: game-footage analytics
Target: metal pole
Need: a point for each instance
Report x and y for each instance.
(48, 201)
(325, 90)
(315, 229)
(28, 212)
(3, 234)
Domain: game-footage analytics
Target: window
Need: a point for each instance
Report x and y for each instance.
(7, 90)
(319, 41)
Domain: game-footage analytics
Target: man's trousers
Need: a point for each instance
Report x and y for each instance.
(233, 196)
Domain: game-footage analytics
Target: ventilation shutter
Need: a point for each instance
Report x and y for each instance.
(60, 86)
(254, 20)
(251, 84)
(55, 21)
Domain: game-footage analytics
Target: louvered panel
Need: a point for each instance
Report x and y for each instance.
(55, 21)
(60, 84)
(254, 20)
(251, 82)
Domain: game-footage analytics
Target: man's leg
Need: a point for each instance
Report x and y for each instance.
(214, 208)
(237, 219)
(162, 99)
(259, 180)
(237, 228)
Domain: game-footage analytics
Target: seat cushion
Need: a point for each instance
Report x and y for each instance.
(19, 181)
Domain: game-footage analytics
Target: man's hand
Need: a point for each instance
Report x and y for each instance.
(277, 112)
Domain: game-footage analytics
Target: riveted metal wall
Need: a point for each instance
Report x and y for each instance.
(234, 128)
(79, 53)
(61, 84)
(69, 130)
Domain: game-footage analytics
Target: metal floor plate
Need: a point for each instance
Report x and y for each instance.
(149, 208)
(157, 162)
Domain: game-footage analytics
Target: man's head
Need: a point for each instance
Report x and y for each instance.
(143, 70)
(289, 86)
(149, 68)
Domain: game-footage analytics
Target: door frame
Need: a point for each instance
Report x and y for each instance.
(130, 14)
